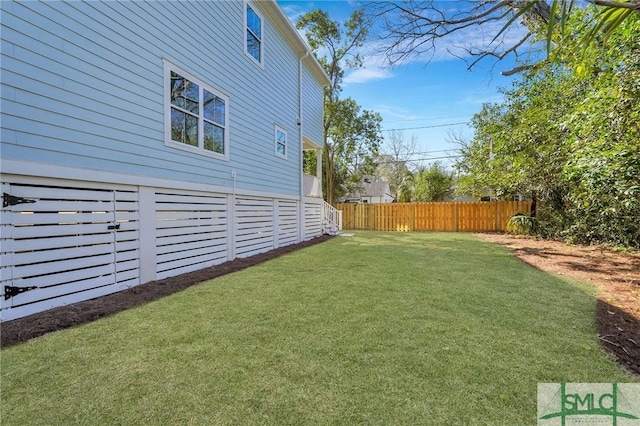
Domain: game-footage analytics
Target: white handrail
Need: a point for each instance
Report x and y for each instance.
(332, 216)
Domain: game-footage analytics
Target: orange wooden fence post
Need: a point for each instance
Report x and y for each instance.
(455, 216)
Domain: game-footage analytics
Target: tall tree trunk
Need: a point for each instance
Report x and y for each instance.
(329, 173)
(534, 204)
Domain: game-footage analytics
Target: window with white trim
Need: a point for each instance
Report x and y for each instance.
(197, 115)
(281, 142)
(253, 36)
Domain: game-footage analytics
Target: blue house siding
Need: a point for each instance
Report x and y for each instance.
(82, 86)
(112, 202)
(312, 108)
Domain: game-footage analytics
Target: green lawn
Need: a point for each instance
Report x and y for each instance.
(378, 328)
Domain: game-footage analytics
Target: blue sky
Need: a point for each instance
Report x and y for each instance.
(426, 98)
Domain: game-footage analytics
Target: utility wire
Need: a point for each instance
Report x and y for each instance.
(427, 127)
(421, 159)
(437, 150)
(430, 118)
(407, 157)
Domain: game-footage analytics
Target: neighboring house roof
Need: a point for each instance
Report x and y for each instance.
(370, 190)
(376, 188)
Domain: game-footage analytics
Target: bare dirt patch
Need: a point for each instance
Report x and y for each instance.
(616, 276)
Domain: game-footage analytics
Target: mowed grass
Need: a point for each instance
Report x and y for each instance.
(378, 328)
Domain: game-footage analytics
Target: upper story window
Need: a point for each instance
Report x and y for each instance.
(281, 142)
(196, 114)
(253, 33)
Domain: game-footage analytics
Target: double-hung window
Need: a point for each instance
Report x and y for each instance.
(281, 142)
(253, 37)
(197, 115)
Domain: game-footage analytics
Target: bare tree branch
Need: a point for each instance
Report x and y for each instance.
(480, 55)
(634, 5)
(412, 28)
(516, 70)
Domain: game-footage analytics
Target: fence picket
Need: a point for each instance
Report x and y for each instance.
(479, 216)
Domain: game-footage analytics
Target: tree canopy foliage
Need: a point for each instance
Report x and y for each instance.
(568, 135)
(351, 135)
(432, 183)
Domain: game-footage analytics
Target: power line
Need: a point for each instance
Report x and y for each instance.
(419, 153)
(437, 150)
(430, 118)
(445, 157)
(438, 158)
(427, 127)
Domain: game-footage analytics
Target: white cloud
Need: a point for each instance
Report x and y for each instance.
(293, 11)
(455, 46)
(481, 98)
(373, 66)
(365, 75)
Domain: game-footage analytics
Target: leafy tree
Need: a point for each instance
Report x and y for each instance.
(567, 135)
(604, 169)
(352, 146)
(351, 135)
(478, 171)
(602, 23)
(404, 191)
(432, 183)
(517, 148)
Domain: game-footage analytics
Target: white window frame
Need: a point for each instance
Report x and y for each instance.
(168, 141)
(276, 142)
(245, 28)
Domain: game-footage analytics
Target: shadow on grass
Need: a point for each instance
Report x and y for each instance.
(600, 267)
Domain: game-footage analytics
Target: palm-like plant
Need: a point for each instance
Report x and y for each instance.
(522, 224)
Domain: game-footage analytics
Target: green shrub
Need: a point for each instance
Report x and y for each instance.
(522, 224)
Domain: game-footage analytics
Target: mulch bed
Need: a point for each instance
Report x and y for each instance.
(23, 329)
(619, 334)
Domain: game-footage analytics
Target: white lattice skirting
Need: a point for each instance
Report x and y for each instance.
(65, 241)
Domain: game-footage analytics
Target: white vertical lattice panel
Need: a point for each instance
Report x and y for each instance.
(312, 219)
(191, 232)
(287, 222)
(127, 220)
(254, 226)
(62, 245)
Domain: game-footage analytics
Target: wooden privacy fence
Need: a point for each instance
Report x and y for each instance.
(436, 216)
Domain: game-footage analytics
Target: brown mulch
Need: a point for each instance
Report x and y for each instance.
(616, 276)
(22, 329)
